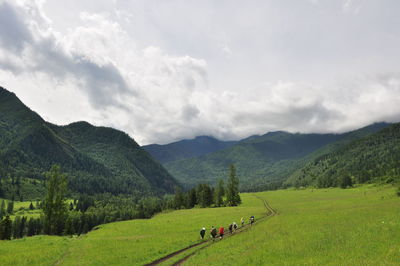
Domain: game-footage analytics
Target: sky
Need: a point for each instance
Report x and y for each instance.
(168, 70)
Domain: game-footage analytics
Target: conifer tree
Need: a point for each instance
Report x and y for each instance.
(54, 205)
(2, 209)
(191, 198)
(232, 188)
(6, 228)
(10, 207)
(178, 199)
(219, 193)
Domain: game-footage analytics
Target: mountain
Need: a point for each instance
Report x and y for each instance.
(374, 158)
(263, 162)
(187, 148)
(96, 159)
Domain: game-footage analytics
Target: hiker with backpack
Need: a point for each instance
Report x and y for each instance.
(213, 232)
(230, 228)
(202, 233)
(221, 232)
(235, 227)
(251, 220)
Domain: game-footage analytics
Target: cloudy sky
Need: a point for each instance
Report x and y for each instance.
(166, 70)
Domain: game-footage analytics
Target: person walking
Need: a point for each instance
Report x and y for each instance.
(235, 227)
(251, 220)
(202, 232)
(213, 232)
(221, 232)
(242, 221)
(230, 228)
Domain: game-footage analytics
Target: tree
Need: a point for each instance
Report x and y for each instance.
(2, 209)
(6, 228)
(191, 198)
(204, 195)
(31, 206)
(232, 188)
(346, 181)
(31, 227)
(219, 193)
(54, 205)
(10, 207)
(16, 227)
(178, 199)
(1, 189)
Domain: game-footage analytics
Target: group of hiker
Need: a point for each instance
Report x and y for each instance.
(232, 228)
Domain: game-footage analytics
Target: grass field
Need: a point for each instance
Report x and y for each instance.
(359, 226)
(21, 208)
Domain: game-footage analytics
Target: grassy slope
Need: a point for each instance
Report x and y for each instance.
(130, 242)
(329, 226)
(318, 227)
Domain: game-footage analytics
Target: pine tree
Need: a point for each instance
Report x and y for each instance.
(6, 228)
(204, 195)
(10, 207)
(31, 206)
(232, 188)
(2, 209)
(1, 188)
(69, 229)
(178, 199)
(219, 193)
(31, 227)
(346, 181)
(16, 227)
(54, 205)
(191, 198)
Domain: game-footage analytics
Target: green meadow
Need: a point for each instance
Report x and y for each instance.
(358, 226)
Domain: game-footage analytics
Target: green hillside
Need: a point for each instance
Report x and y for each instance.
(263, 162)
(374, 158)
(96, 159)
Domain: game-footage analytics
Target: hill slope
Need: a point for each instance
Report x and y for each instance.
(97, 159)
(263, 162)
(372, 158)
(186, 148)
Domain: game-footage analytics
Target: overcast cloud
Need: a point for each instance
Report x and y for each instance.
(167, 70)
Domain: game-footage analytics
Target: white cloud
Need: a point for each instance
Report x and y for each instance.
(162, 80)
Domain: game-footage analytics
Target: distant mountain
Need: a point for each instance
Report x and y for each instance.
(187, 148)
(96, 159)
(263, 162)
(374, 158)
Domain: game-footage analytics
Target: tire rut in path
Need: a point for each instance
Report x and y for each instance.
(270, 212)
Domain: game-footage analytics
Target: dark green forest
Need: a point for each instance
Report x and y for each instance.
(263, 162)
(96, 159)
(374, 158)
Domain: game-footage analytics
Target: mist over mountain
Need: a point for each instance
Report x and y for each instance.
(263, 162)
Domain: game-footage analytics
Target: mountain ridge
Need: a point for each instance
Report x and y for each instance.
(29, 146)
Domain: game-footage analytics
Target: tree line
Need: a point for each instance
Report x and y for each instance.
(81, 215)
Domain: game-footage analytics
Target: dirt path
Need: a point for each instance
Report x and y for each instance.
(270, 212)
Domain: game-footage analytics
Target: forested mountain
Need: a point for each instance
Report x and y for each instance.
(263, 162)
(372, 158)
(186, 148)
(96, 159)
